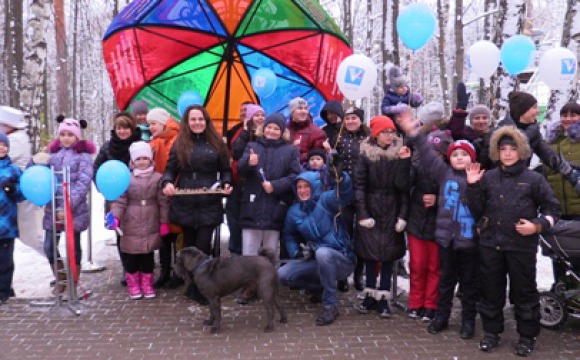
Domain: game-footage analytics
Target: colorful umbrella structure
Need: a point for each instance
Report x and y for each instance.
(156, 50)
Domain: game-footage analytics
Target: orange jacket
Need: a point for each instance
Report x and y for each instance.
(161, 145)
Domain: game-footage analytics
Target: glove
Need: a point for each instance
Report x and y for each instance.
(400, 225)
(307, 252)
(163, 229)
(41, 158)
(367, 223)
(398, 109)
(462, 96)
(574, 178)
(9, 188)
(417, 99)
(111, 222)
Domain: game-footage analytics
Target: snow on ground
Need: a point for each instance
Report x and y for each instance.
(33, 274)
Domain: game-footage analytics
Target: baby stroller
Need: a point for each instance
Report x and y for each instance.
(562, 244)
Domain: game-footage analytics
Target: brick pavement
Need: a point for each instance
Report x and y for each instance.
(171, 327)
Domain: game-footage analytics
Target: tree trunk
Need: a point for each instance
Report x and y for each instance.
(62, 81)
(74, 110)
(510, 21)
(484, 91)
(13, 40)
(570, 40)
(347, 20)
(459, 50)
(389, 54)
(34, 68)
(442, 17)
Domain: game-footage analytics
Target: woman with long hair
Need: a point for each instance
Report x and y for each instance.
(198, 159)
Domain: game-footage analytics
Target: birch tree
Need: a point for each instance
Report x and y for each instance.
(510, 21)
(570, 40)
(34, 66)
(443, 17)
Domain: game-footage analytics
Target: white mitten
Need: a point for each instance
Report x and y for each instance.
(400, 225)
(367, 223)
(41, 158)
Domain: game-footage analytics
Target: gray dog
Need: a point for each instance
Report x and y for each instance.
(218, 277)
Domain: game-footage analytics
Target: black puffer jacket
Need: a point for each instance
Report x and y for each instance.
(206, 167)
(280, 164)
(503, 197)
(381, 188)
(421, 221)
(116, 149)
(348, 147)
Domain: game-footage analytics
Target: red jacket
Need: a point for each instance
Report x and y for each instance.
(311, 136)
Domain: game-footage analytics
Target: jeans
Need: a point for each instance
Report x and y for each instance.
(49, 246)
(319, 273)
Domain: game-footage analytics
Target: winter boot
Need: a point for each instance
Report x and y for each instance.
(489, 342)
(369, 302)
(525, 346)
(383, 307)
(147, 285)
(134, 285)
(60, 276)
(165, 263)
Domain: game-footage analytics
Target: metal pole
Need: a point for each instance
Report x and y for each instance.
(90, 266)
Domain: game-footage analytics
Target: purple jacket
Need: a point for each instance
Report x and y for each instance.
(80, 162)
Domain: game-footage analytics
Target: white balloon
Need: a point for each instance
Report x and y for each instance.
(356, 76)
(484, 57)
(557, 68)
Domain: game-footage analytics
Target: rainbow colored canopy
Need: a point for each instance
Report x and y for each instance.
(157, 49)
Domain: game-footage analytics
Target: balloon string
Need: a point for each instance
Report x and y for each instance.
(410, 77)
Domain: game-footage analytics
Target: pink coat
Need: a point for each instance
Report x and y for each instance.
(140, 212)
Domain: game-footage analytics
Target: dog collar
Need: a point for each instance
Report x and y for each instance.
(202, 264)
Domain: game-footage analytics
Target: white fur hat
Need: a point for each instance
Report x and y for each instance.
(12, 117)
(158, 114)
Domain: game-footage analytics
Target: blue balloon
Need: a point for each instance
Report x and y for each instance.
(416, 25)
(264, 82)
(113, 178)
(516, 53)
(36, 185)
(187, 99)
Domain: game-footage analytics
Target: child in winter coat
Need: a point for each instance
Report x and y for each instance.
(381, 186)
(164, 130)
(423, 251)
(514, 205)
(10, 194)
(69, 150)
(455, 230)
(142, 214)
(397, 94)
(269, 167)
(316, 162)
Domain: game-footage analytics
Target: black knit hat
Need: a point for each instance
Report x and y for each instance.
(317, 152)
(519, 103)
(356, 111)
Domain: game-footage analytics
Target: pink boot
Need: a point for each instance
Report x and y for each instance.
(147, 285)
(133, 285)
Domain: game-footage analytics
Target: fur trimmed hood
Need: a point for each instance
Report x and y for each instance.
(519, 137)
(81, 146)
(373, 152)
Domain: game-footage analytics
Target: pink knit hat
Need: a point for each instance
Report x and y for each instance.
(140, 149)
(251, 110)
(72, 125)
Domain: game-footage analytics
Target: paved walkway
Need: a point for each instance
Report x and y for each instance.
(171, 327)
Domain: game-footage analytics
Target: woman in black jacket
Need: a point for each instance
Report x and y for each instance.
(198, 159)
(125, 132)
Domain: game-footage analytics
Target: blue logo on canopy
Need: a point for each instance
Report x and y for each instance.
(568, 66)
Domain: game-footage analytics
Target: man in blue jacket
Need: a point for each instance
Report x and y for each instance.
(315, 234)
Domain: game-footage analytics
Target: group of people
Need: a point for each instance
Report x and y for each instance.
(332, 201)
